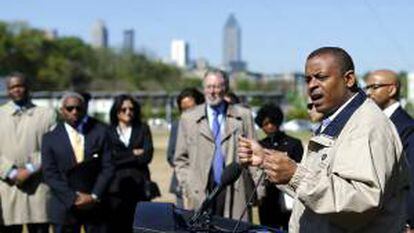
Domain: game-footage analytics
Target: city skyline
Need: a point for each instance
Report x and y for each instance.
(277, 36)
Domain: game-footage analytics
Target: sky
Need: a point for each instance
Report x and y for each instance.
(277, 35)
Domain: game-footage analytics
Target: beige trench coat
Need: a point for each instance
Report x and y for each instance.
(20, 141)
(355, 183)
(194, 154)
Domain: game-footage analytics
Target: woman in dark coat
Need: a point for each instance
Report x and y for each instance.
(132, 152)
(272, 211)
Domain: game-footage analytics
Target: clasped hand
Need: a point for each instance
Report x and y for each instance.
(84, 200)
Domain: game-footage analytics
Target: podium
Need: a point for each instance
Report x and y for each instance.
(153, 217)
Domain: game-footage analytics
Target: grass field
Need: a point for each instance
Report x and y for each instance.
(161, 171)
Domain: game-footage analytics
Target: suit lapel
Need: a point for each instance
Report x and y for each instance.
(134, 136)
(202, 120)
(233, 122)
(67, 146)
(89, 138)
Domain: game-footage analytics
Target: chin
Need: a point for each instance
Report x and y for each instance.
(214, 102)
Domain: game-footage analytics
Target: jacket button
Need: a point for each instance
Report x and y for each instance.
(324, 157)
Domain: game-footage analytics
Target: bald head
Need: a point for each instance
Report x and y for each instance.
(17, 88)
(383, 87)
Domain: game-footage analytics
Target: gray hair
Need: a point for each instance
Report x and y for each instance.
(218, 72)
(71, 94)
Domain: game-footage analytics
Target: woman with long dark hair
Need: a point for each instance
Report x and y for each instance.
(132, 152)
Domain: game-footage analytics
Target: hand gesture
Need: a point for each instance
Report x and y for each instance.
(250, 152)
(278, 167)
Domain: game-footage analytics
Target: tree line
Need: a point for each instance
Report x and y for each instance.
(55, 64)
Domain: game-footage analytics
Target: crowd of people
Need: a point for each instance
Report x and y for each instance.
(69, 170)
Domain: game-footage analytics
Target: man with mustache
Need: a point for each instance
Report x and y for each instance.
(206, 142)
(353, 177)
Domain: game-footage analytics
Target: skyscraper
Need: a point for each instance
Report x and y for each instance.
(179, 53)
(99, 35)
(129, 40)
(232, 45)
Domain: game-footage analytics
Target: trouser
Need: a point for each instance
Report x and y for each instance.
(76, 228)
(32, 228)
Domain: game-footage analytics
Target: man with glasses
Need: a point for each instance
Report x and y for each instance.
(22, 192)
(77, 166)
(384, 88)
(206, 143)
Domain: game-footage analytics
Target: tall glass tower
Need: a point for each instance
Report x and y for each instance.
(99, 35)
(128, 44)
(231, 43)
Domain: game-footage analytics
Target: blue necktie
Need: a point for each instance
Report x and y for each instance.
(218, 160)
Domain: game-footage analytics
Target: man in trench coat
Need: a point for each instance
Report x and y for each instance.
(197, 157)
(22, 192)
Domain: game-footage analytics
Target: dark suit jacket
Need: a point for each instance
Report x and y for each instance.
(131, 171)
(404, 122)
(58, 160)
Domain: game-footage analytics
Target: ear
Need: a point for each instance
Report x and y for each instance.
(350, 78)
(392, 91)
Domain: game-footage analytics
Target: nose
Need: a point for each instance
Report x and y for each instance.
(312, 83)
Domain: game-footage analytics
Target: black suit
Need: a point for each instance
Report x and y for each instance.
(270, 211)
(58, 159)
(131, 174)
(405, 123)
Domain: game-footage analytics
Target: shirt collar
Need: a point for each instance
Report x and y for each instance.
(69, 128)
(336, 113)
(221, 108)
(343, 114)
(13, 108)
(388, 111)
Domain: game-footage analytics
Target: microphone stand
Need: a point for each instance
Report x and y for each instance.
(249, 202)
(201, 220)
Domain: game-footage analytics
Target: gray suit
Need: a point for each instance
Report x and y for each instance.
(194, 155)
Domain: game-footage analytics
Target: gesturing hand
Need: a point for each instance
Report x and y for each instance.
(278, 166)
(250, 152)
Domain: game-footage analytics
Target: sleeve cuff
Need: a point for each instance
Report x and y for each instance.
(12, 174)
(298, 176)
(95, 197)
(30, 167)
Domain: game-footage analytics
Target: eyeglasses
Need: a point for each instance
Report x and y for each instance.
(375, 86)
(211, 87)
(124, 110)
(71, 108)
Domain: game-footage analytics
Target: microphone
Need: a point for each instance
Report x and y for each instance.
(230, 174)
